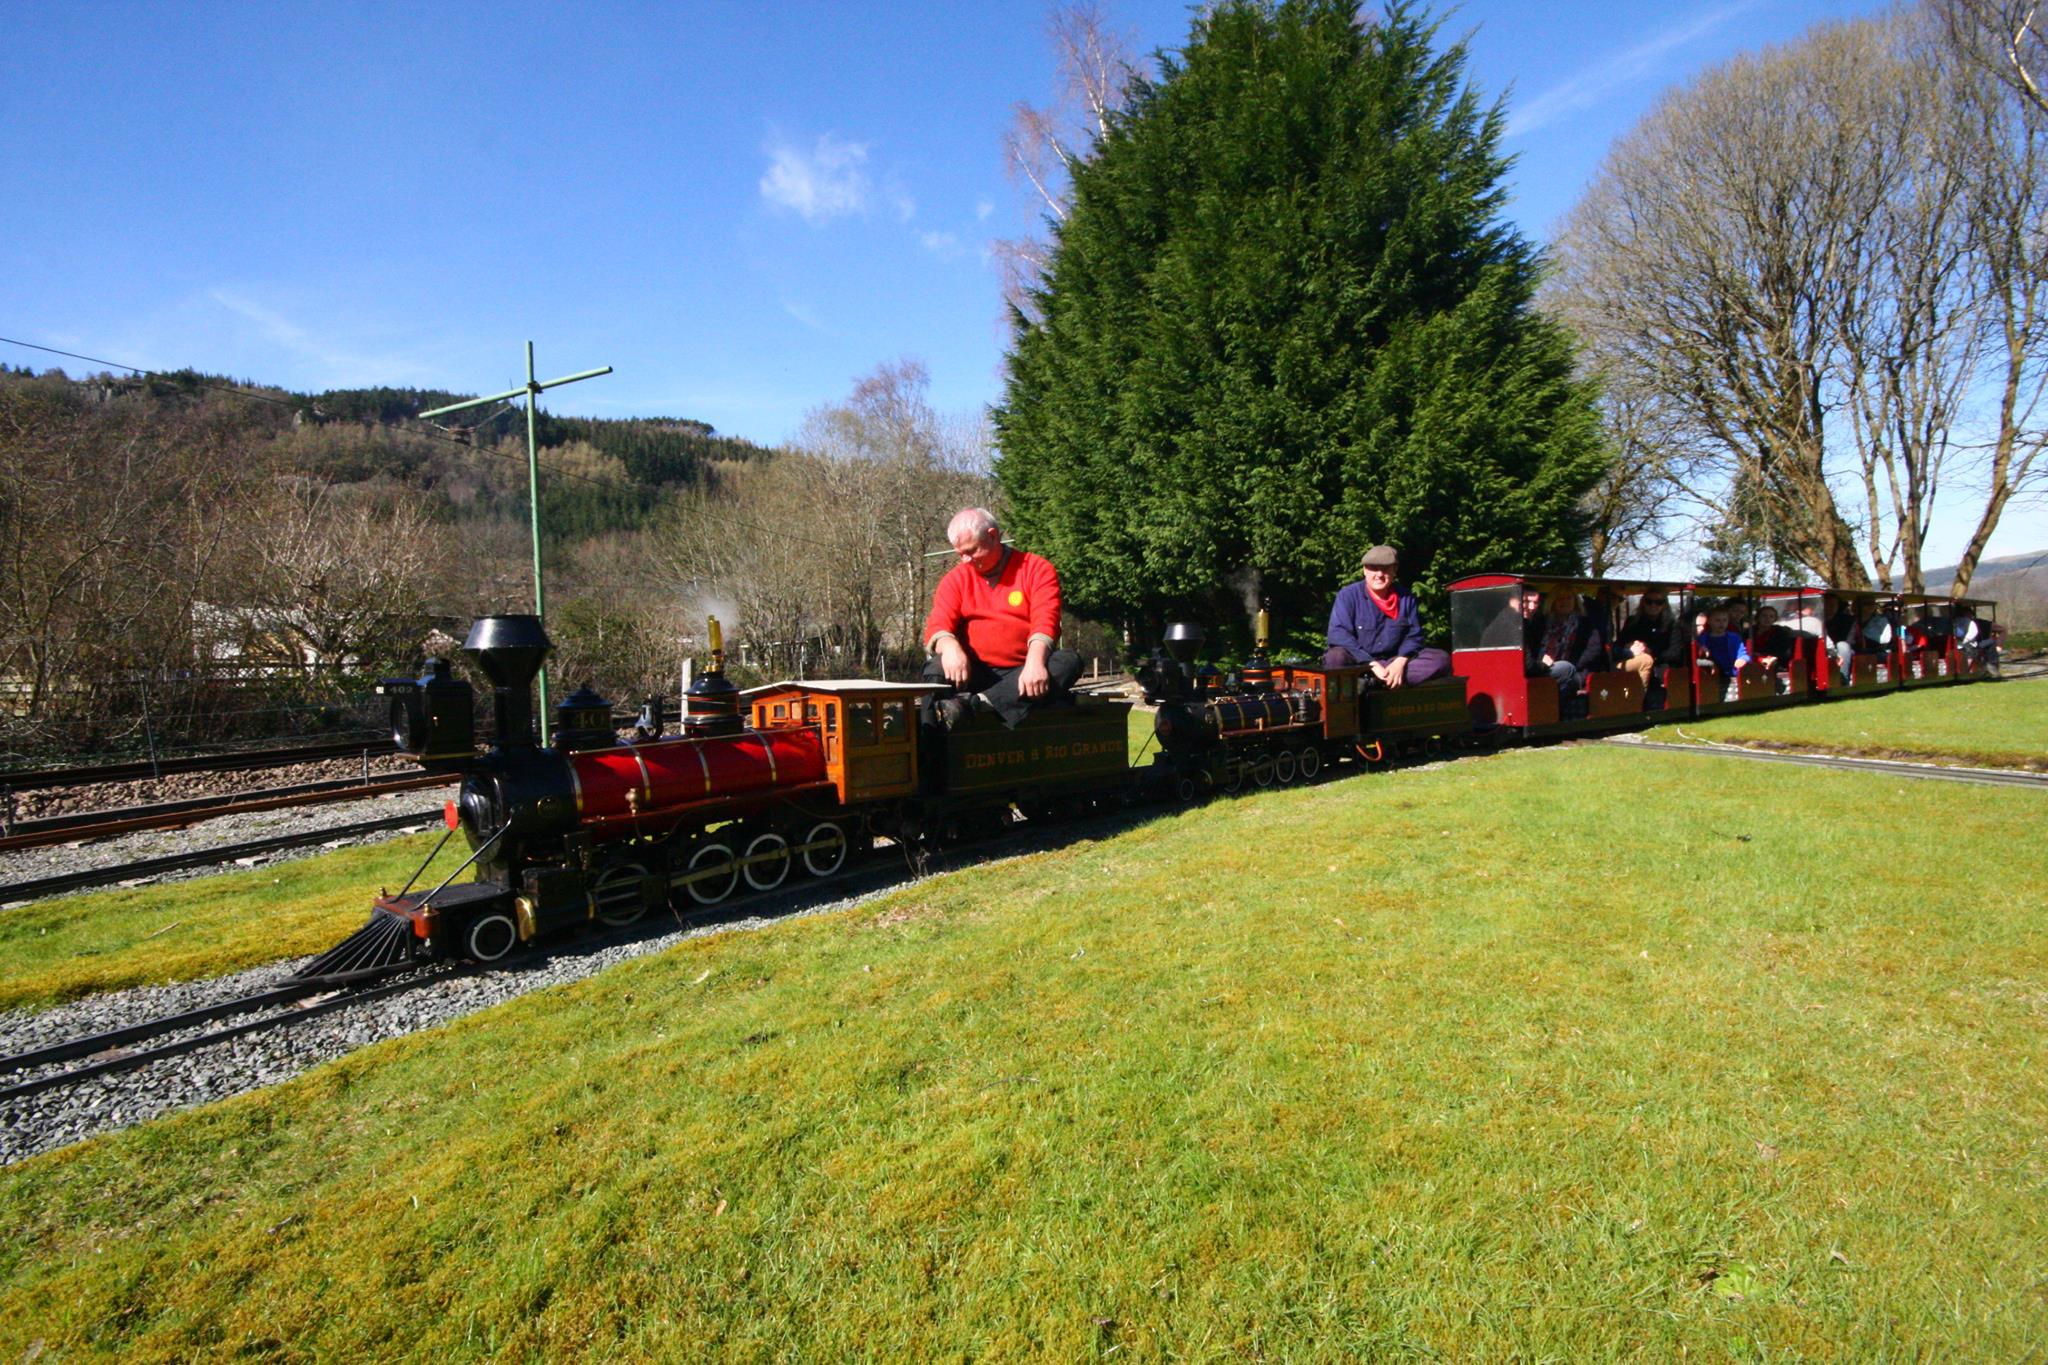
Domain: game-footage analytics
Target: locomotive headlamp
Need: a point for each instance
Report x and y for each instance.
(432, 717)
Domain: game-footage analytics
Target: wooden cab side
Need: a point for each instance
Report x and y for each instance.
(869, 729)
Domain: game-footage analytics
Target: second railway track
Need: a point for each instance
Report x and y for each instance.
(1989, 777)
(62, 829)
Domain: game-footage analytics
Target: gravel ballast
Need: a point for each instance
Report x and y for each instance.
(72, 1113)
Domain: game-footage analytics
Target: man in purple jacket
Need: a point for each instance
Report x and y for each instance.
(1374, 623)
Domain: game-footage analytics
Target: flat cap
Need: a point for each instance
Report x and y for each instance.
(1382, 557)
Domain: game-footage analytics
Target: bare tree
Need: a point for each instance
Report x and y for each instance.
(2004, 138)
(2008, 38)
(1630, 511)
(111, 527)
(1794, 256)
(337, 584)
(894, 471)
(822, 548)
(1096, 76)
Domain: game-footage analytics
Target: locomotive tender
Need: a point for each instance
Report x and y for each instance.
(800, 776)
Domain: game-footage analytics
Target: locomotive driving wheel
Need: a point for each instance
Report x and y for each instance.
(711, 874)
(1283, 767)
(824, 849)
(767, 861)
(620, 894)
(1310, 764)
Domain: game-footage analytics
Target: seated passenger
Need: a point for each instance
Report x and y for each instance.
(1723, 647)
(1373, 622)
(1648, 638)
(1532, 633)
(1841, 630)
(994, 625)
(1774, 647)
(1570, 648)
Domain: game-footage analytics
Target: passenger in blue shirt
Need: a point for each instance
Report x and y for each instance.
(1722, 645)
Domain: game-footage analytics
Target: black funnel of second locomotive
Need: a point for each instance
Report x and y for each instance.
(510, 650)
(1184, 641)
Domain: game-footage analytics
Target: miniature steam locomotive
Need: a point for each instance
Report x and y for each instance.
(785, 778)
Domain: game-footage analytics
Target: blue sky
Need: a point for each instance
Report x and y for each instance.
(741, 207)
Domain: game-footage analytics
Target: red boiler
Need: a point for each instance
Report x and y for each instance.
(617, 790)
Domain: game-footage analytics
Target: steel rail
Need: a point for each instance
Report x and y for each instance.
(203, 805)
(179, 813)
(177, 862)
(1989, 777)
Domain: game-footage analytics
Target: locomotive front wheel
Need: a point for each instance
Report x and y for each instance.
(490, 937)
(1233, 777)
(1262, 771)
(1311, 763)
(1283, 767)
(713, 874)
(1187, 791)
(767, 864)
(618, 894)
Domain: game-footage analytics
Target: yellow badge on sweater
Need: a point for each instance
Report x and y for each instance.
(1016, 597)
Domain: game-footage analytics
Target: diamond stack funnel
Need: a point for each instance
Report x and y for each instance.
(1184, 641)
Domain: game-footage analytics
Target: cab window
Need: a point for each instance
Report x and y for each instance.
(895, 722)
(860, 722)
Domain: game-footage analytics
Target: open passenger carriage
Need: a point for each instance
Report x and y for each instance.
(1797, 643)
(1497, 622)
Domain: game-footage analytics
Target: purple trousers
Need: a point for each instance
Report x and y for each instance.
(1423, 665)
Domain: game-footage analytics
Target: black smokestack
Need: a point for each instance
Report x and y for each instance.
(510, 649)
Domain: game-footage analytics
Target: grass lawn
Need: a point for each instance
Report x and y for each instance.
(1987, 724)
(70, 946)
(1550, 1054)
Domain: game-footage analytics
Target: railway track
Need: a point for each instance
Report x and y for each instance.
(1989, 777)
(136, 1045)
(35, 888)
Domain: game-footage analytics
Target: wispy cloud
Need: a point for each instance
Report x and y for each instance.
(982, 209)
(944, 245)
(337, 363)
(804, 315)
(828, 181)
(1588, 87)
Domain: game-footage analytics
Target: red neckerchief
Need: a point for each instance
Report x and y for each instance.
(1390, 605)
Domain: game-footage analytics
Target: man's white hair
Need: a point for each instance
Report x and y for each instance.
(969, 521)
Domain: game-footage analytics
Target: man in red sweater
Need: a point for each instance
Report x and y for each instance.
(995, 624)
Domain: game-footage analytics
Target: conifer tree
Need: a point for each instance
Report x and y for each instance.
(1284, 322)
